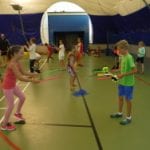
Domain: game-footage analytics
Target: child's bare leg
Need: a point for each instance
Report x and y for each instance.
(21, 97)
(129, 107)
(142, 67)
(120, 104)
(72, 84)
(10, 105)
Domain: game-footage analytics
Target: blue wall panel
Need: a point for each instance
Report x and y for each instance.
(69, 23)
(133, 27)
(10, 26)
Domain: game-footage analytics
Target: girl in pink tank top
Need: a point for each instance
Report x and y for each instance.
(10, 89)
(9, 80)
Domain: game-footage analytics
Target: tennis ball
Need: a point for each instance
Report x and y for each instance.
(105, 69)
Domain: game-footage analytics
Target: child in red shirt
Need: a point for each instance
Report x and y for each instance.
(50, 52)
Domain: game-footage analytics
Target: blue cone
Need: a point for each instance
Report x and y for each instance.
(81, 92)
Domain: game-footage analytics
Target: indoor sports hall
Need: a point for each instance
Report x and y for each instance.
(72, 102)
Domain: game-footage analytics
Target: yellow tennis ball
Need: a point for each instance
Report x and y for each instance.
(105, 69)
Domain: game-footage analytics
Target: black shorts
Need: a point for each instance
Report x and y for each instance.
(3, 53)
(140, 60)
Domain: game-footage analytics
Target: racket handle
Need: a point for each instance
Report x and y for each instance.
(114, 78)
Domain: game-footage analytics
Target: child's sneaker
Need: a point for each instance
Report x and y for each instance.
(116, 115)
(125, 121)
(8, 127)
(19, 117)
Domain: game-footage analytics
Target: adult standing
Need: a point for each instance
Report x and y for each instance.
(4, 46)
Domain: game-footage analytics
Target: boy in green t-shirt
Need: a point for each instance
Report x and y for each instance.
(126, 82)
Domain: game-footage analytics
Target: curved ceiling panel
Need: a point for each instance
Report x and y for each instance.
(93, 7)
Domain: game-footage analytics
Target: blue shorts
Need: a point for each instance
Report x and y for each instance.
(126, 91)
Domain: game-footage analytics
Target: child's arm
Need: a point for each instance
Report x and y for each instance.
(21, 76)
(25, 73)
(133, 71)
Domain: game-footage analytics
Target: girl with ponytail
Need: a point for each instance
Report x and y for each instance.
(14, 72)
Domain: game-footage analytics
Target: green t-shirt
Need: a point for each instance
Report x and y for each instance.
(127, 64)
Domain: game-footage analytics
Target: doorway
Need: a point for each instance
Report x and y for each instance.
(69, 38)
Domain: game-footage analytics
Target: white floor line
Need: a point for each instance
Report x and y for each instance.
(1, 119)
(3, 108)
(17, 98)
(2, 98)
(22, 90)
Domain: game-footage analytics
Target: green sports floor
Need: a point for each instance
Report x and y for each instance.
(58, 120)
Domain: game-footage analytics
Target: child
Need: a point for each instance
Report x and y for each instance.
(71, 68)
(50, 52)
(79, 52)
(141, 55)
(61, 54)
(10, 89)
(32, 54)
(126, 82)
